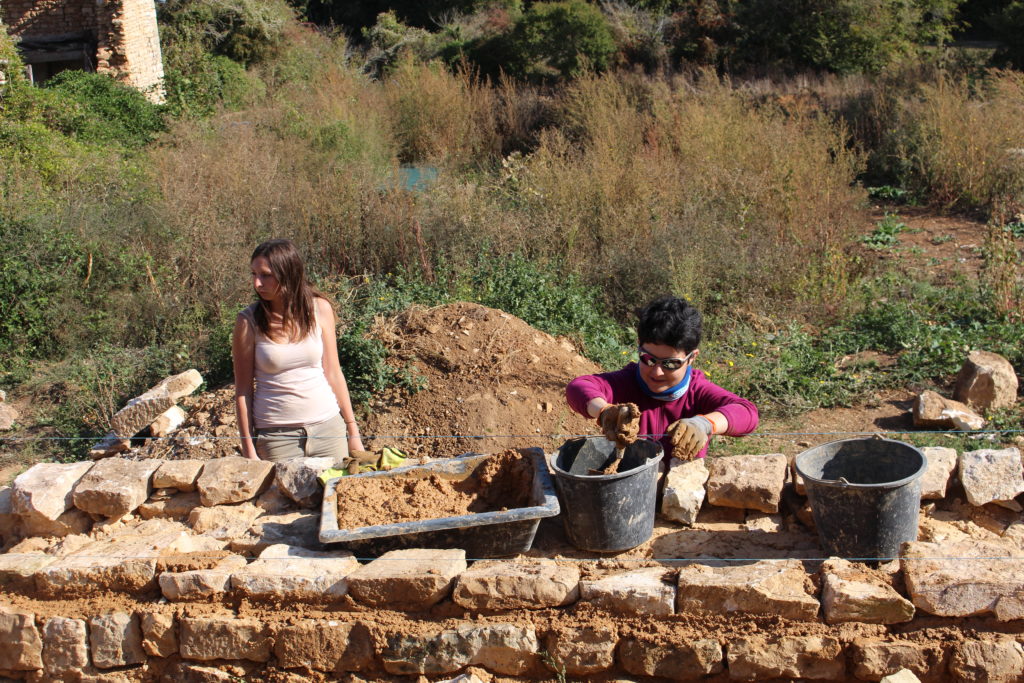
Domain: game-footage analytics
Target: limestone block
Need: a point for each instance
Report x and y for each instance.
(872, 660)
(642, 591)
(285, 572)
(501, 648)
(223, 521)
(22, 647)
(274, 502)
(851, 594)
(115, 640)
(987, 660)
(111, 444)
(409, 580)
(932, 411)
(581, 651)
(901, 676)
(991, 475)
(8, 518)
(753, 482)
(780, 588)
(526, 583)
(44, 490)
(166, 422)
(121, 563)
(73, 521)
(115, 486)
(233, 480)
(941, 463)
(684, 490)
(65, 646)
(177, 507)
(159, 634)
(766, 657)
(223, 637)
(966, 587)
(142, 410)
(8, 416)
(201, 584)
(178, 474)
(300, 529)
(333, 646)
(297, 479)
(764, 522)
(18, 570)
(685, 661)
(986, 381)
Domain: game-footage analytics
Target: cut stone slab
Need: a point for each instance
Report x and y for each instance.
(206, 639)
(582, 651)
(991, 475)
(115, 640)
(74, 521)
(115, 486)
(779, 588)
(986, 382)
(44, 490)
(291, 573)
(233, 480)
(684, 490)
(18, 570)
(8, 518)
(201, 584)
(409, 580)
(941, 464)
(321, 645)
(522, 584)
(22, 647)
(932, 411)
(851, 594)
(297, 479)
(159, 634)
(142, 410)
(967, 587)
(768, 657)
(753, 482)
(300, 529)
(65, 646)
(501, 648)
(178, 474)
(166, 422)
(177, 507)
(685, 661)
(8, 416)
(223, 521)
(984, 660)
(873, 660)
(122, 563)
(901, 676)
(643, 591)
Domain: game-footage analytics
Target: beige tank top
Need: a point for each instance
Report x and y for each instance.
(291, 387)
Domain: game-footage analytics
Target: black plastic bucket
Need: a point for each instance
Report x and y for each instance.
(865, 495)
(609, 512)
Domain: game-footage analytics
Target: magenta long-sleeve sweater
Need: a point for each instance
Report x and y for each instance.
(703, 396)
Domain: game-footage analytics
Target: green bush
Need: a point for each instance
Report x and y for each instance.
(208, 83)
(1008, 27)
(98, 109)
(245, 31)
(559, 40)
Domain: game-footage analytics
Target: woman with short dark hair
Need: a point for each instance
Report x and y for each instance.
(662, 394)
(291, 397)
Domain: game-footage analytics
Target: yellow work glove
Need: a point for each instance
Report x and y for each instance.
(689, 435)
(620, 422)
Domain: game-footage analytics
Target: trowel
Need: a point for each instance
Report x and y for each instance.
(594, 455)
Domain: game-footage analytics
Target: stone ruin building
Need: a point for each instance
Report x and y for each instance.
(117, 37)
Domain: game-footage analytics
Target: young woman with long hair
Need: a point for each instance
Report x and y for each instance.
(290, 393)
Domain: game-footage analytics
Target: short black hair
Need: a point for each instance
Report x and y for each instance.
(669, 320)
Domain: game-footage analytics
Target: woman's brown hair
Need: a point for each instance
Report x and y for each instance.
(297, 294)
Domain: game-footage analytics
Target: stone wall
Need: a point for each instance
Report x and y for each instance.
(192, 570)
(124, 33)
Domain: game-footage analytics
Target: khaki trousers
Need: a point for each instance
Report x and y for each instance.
(323, 439)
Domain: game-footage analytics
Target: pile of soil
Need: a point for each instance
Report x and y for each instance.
(209, 431)
(502, 482)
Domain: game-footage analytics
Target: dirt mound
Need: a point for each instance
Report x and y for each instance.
(492, 382)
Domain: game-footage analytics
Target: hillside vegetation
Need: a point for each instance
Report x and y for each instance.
(578, 159)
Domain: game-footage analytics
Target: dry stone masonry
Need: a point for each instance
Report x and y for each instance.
(211, 570)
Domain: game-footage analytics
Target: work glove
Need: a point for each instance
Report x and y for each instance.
(620, 422)
(689, 435)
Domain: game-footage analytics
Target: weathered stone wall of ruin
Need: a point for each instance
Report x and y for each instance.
(127, 37)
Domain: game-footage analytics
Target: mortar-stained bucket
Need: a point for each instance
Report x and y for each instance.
(608, 512)
(865, 495)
